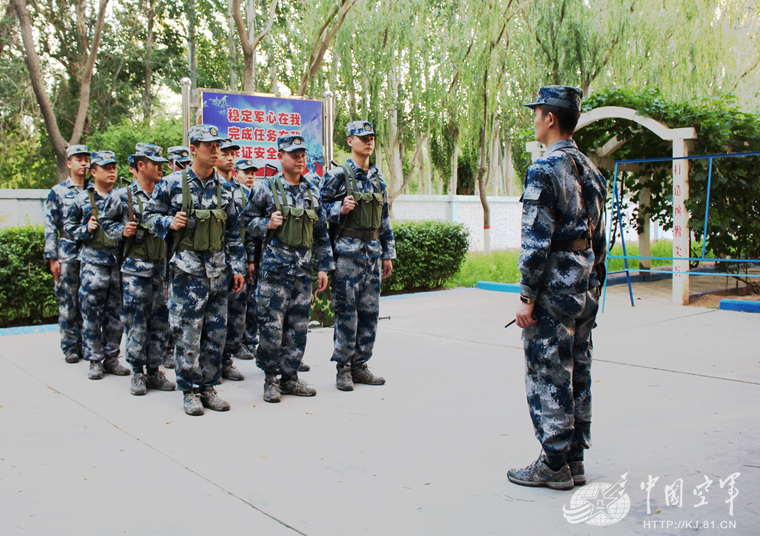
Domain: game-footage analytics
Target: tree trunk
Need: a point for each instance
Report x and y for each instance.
(192, 62)
(249, 45)
(148, 62)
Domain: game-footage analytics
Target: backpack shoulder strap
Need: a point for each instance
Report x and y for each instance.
(93, 206)
(218, 194)
(350, 179)
(273, 186)
(130, 208)
(187, 198)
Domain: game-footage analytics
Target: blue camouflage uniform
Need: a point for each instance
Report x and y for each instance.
(283, 295)
(145, 291)
(237, 302)
(199, 280)
(100, 289)
(357, 279)
(563, 241)
(59, 246)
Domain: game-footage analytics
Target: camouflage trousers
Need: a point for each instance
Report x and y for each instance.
(558, 371)
(251, 333)
(356, 302)
(198, 318)
(283, 304)
(145, 315)
(100, 302)
(237, 308)
(69, 315)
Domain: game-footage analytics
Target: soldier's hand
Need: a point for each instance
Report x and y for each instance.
(524, 315)
(92, 225)
(251, 271)
(55, 268)
(387, 268)
(348, 205)
(130, 228)
(238, 282)
(275, 220)
(322, 277)
(179, 221)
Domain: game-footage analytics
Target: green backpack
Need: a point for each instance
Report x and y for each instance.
(100, 239)
(151, 247)
(369, 205)
(210, 226)
(297, 229)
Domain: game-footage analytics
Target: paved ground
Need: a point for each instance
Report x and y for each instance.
(675, 398)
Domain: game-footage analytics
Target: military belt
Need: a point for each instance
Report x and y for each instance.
(580, 244)
(366, 236)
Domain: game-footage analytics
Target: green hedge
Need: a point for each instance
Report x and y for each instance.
(26, 284)
(428, 253)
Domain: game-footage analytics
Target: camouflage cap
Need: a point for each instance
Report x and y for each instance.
(560, 96)
(229, 144)
(180, 153)
(360, 128)
(71, 150)
(150, 151)
(131, 160)
(102, 158)
(199, 133)
(246, 163)
(291, 143)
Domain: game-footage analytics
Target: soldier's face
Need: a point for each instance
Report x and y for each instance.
(293, 162)
(362, 145)
(227, 160)
(152, 171)
(78, 165)
(104, 176)
(541, 124)
(206, 152)
(246, 177)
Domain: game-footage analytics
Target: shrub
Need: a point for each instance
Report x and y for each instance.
(428, 254)
(26, 284)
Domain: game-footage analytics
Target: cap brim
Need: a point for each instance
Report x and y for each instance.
(157, 159)
(532, 105)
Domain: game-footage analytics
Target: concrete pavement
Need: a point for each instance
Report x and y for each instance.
(675, 390)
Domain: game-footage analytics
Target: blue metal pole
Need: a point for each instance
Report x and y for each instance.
(707, 207)
(622, 241)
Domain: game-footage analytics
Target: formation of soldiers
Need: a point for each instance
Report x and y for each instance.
(208, 264)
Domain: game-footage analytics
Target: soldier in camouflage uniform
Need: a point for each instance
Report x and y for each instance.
(99, 256)
(62, 251)
(285, 213)
(561, 262)
(206, 232)
(179, 157)
(237, 308)
(144, 312)
(364, 249)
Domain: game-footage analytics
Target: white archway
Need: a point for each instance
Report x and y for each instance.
(678, 136)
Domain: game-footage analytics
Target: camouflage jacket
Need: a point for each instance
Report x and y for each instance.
(76, 226)
(59, 200)
(564, 192)
(118, 216)
(333, 188)
(167, 201)
(277, 257)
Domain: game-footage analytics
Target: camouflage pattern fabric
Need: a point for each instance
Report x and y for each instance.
(283, 304)
(100, 301)
(76, 226)
(59, 200)
(198, 318)
(251, 333)
(145, 315)
(564, 196)
(356, 287)
(333, 190)
(69, 315)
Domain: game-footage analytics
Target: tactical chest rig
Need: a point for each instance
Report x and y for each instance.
(100, 239)
(363, 222)
(297, 229)
(144, 245)
(205, 228)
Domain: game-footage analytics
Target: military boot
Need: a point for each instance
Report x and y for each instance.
(244, 353)
(192, 402)
(540, 474)
(211, 400)
(293, 386)
(158, 380)
(272, 388)
(169, 360)
(344, 380)
(111, 365)
(139, 384)
(362, 374)
(578, 472)
(303, 367)
(96, 370)
(72, 357)
(229, 372)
